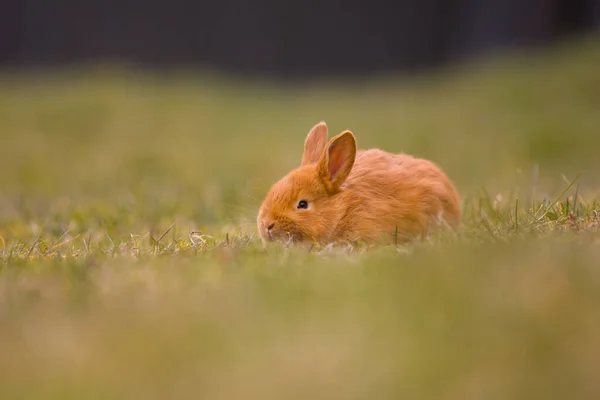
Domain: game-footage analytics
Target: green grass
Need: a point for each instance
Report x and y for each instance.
(131, 267)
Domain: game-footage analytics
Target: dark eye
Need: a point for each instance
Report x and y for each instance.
(302, 204)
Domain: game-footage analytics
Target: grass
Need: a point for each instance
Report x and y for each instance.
(131, 268)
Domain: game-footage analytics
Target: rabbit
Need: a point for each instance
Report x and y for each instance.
(341, 194)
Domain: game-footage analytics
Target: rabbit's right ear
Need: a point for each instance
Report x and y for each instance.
(337, 161)
(314, 145)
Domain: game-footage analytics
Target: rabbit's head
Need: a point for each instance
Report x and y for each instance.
(309, 202)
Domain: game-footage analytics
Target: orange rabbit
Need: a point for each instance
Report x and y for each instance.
(340, 193)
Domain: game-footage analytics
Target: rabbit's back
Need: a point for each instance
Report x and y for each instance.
(397, 191)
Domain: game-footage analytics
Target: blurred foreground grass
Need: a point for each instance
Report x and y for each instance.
(131, 267)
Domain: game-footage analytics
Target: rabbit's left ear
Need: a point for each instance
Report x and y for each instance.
(314, 145)
(337, 161)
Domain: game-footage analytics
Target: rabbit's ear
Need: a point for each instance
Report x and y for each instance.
(337, 161)
(314, 145)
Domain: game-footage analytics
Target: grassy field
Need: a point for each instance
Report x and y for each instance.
(131, 266)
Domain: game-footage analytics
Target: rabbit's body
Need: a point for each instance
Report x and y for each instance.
(341, 194)
(385, 192)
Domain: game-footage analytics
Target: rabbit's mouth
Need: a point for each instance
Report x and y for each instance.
(281, 230)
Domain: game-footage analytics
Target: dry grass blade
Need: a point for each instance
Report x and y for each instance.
(165, 232)
(57, 243)
(557, 199)
(35, 242)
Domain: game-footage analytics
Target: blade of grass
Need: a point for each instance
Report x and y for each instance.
(553, 203)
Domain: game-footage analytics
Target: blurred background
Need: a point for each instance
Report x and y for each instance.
(272, 38)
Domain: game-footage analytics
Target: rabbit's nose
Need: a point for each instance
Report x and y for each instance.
(269, 227)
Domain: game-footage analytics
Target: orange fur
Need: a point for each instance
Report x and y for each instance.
(355, 194)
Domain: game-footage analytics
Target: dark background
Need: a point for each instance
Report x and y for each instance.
(281, 38)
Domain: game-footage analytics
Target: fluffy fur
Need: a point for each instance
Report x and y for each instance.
(352, 194)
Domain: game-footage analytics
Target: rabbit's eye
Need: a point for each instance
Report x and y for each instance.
(302, 204)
